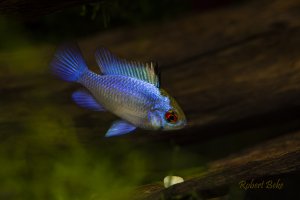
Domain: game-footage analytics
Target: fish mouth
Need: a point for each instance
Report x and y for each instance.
(183, 124)
(180, 126)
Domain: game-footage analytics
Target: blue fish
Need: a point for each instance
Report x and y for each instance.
(129, 89)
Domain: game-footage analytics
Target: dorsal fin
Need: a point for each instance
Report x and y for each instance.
(112, 65)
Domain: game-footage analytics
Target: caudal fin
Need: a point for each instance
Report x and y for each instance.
(68, 63)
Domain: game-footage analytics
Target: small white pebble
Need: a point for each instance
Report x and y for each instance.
(172, 180)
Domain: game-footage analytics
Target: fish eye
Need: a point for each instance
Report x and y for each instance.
(171, 116)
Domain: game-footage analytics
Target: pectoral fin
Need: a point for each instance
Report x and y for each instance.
(119, 127)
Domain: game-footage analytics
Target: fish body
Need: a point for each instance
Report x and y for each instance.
(124, 96)
(129, 89)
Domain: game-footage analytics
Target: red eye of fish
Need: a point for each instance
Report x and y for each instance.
(171, 116)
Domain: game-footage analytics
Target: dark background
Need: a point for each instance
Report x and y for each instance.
(233, 66)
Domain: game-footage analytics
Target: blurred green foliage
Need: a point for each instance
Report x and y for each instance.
(46, 161)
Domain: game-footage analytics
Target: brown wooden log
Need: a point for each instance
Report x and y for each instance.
(234, 69)
(277, 156)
